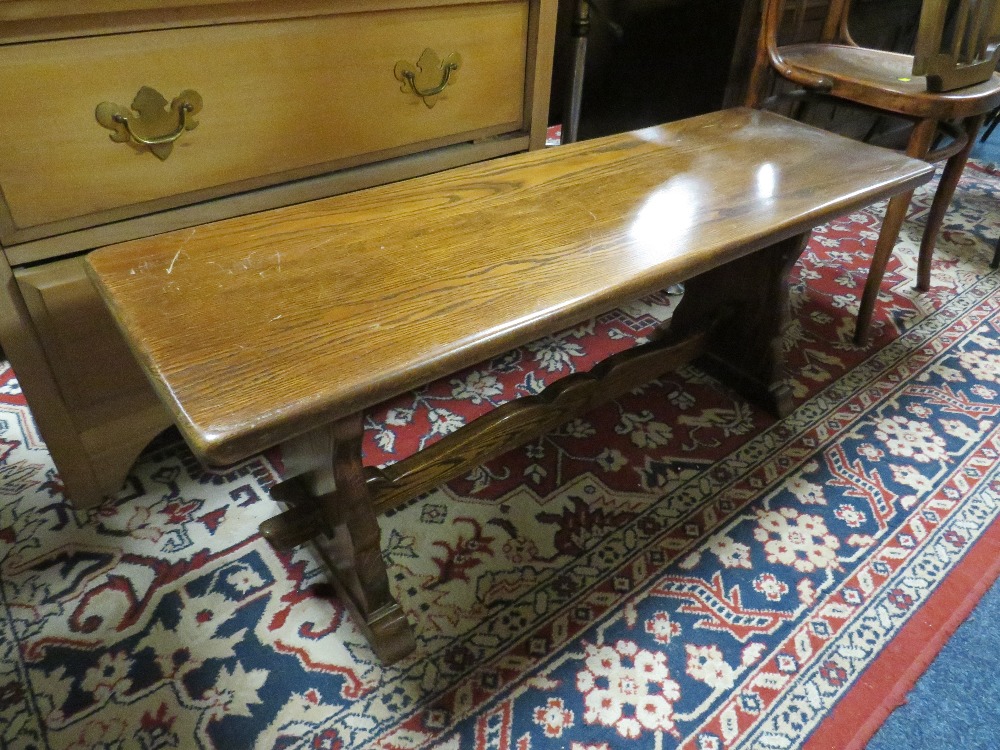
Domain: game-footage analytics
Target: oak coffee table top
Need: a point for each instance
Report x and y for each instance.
(259, 328)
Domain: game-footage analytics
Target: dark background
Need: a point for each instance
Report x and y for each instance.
(679, 58)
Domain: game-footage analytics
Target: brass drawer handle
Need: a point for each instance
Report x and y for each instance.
(152, 117)
(429, 76)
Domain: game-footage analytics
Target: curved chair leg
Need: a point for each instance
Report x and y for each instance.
(918, 146)
(893, 220)
(942, 200)
(995, 263)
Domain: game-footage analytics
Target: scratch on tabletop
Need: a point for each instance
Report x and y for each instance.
(170, 268)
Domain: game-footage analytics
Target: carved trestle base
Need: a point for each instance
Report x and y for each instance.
(330, 505)
(745, 305)
(730, 317)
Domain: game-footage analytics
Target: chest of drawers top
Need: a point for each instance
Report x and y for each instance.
(119, 110)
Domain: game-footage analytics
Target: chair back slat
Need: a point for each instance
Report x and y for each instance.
(835, 27)
(979, 37)
(958, 43)
(954, 44)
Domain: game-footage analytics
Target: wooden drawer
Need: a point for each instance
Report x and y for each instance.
(282, 99)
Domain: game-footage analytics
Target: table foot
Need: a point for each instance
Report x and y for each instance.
(331, 506)
(386, 628)
(746, 304)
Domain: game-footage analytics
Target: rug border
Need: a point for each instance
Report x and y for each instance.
(886, 682)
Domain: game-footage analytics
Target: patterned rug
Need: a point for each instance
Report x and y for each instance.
(675, 569)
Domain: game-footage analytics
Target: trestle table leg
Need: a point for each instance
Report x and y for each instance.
(332, 507)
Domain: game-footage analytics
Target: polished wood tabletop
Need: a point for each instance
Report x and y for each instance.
(260, 328)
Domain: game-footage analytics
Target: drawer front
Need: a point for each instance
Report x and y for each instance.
(88, 356)
(279, 100)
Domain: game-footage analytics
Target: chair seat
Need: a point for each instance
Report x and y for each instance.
(884, 80)
(946, 97)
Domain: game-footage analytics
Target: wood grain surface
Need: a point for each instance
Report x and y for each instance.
(260, 328)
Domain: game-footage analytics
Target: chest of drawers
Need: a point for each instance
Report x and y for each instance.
(131, 117)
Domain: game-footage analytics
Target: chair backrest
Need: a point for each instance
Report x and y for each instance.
(957, 43)
(794, 21)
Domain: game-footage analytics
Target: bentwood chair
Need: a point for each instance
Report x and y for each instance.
(946, 88)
